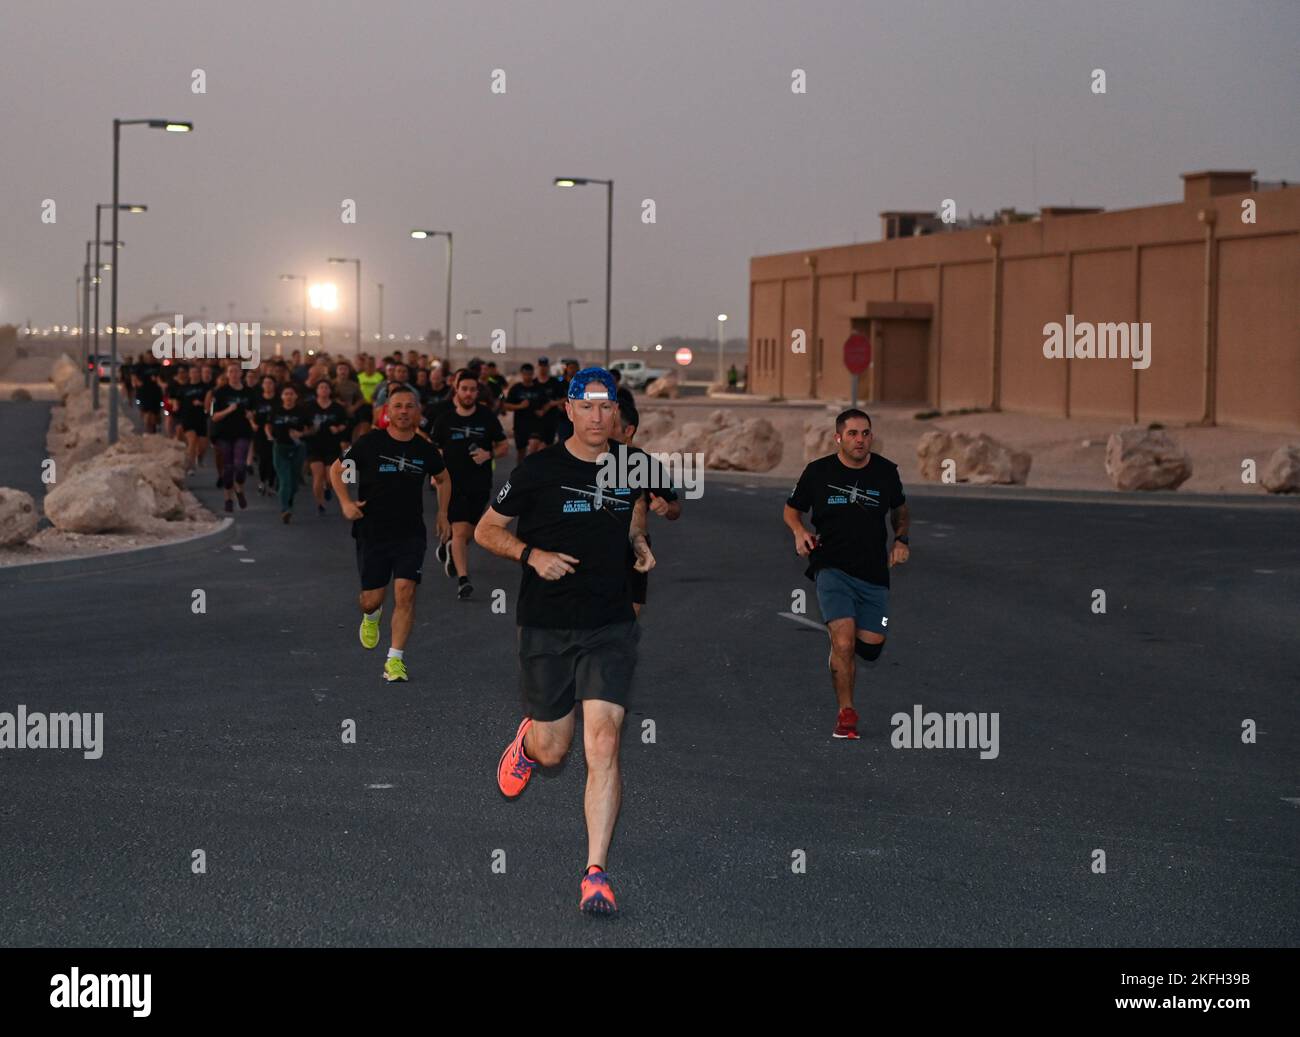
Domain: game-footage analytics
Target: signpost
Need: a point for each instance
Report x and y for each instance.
(857, 358)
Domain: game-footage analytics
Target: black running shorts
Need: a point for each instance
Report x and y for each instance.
(468, 500)
(380, 561)
(558, 667)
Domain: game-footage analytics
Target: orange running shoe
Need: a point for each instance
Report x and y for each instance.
(597, 893)
(514, 769)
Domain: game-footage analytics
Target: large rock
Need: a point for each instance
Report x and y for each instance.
(753, 445)
(663, 388)
(65, 372)
(159, 450)
(978, 458)
(1146, 459)
(97, 500)
(1281, 472)
(655, 424)
(18, 517)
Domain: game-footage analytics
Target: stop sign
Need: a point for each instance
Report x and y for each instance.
(684, 356)
(857, 352)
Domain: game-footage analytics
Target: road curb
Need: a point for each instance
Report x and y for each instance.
(54, 568)
(1156, 498)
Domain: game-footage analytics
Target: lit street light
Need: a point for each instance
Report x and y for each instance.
(564, 181)
(569, 306)
(722, 375)
(155, 124)
(421, 235)
(337, 259)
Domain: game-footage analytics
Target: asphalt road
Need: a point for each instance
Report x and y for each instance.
(1119, 732)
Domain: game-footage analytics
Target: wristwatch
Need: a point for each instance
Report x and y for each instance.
(901, 540)
(523, 558)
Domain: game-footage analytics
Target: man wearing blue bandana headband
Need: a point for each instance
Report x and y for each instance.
(577, 630)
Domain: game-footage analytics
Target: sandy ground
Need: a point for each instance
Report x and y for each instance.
(1068, 453)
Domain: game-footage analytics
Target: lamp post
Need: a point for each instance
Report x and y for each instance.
(381, 309)
(421, 235)
(722, 375)
(156, 124)
(339, 259)
(303, 279)
(569, 306)
(514, 325)
(95, 280)
(98, 233)
(574, 181)
(468, 337)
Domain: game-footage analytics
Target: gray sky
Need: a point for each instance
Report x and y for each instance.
(389, 103)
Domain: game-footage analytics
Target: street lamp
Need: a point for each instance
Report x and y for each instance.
(98, 210)
(514, 326)
(421, 235)
(569, 306)
(722, 321)
(169, 126)
(468, 337)
(303, 279)
(337, 259)
(574, 181)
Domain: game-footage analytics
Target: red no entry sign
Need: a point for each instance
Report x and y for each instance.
(857, 352)
(684, 356)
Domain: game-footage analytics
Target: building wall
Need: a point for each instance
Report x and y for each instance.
(1145, 264)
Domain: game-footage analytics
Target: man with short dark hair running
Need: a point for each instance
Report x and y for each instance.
(469, 436)
(577, 630)
(849, 493)
(390, 466)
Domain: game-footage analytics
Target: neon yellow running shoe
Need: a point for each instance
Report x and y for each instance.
(394, 670)
(369, 632)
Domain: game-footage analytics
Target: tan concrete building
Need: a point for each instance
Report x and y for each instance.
(958, 317)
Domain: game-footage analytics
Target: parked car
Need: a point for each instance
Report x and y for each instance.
(636, 374)
(103, 363)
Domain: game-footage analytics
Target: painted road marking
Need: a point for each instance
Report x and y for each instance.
(802, 619)
(379, 786)
(238, 547)
(248, 559)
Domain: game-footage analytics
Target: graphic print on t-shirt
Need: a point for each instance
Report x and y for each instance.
(853, 495)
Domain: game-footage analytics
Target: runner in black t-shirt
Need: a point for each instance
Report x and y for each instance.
(577, 629)
(553, 397)
(850, 493)
(288, 425)
(329, 423)
(390, 467)
(232, 434)
(662, 497)
(263, 406)
(525, 400)
(190, 393)
(469, 436)
(148, 394)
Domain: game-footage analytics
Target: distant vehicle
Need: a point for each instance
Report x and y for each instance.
(104, 362)
(636, 374)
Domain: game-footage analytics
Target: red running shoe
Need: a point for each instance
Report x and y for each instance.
(597, 893)
(514, 768)
(846, 726)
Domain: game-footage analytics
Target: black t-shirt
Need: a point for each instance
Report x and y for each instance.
(233, 426)
(282, 421)
(849, 506)
(390, 480)
(191, 396)
(456, 435)
(262, 409)
(435, 406)
(534, 395)
(321, 420)
(659, 487)
(148, 394)
(561, 507)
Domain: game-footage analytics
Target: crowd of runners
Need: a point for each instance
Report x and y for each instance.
(379, 439)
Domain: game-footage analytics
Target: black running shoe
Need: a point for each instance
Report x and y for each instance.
(465, 591)
(440, 552)
(449, 565)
